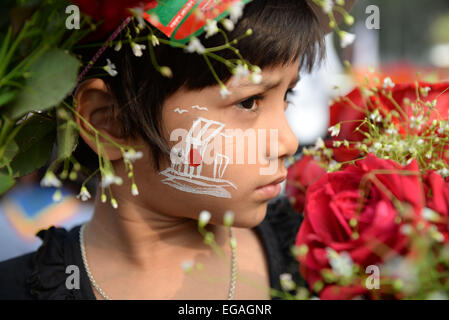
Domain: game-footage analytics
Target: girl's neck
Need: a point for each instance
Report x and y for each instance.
(140, 236)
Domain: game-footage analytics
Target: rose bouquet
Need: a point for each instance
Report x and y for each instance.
(375, 197)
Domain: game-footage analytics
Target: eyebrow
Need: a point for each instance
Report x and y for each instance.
(267, 85)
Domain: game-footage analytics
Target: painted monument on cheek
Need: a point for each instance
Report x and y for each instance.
(187, 160)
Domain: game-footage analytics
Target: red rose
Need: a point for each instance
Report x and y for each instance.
(436, 190)
(111, 12)
(353, 106)
(333, 201)
(343, 111)
(300, 176)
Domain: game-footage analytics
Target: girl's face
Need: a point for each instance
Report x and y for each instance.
(223, 150)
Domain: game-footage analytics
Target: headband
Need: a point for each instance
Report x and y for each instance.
(179, 20)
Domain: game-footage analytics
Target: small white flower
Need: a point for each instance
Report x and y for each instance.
(403, 270)
(392, 131)
(132, 155)
(195, 46)
(346, 38)
(236, 11)
(57, 196)
(154, 40)
(255, 77)
(228, 24)
(134, 190)
(430, 215)
(211, 28)
(333, 166)
(377, 146)
(228, 218)
(110, 68)
(425, 91)
(109, 179)
(435, 234)
(241, 71)
(118, 46)
(319, 144)
(406, 229)
(286, 281)
(138, 13)
(137, 49)
(204, 218)
(224, 92)
(50, 180)
(327, 6)
(416, 122)
(187, 266)
(341, 263)
(443, 127)
(114, 203)
(388, 83)
(376, 116)
(334, 130)
(84, 194)
(444, 172)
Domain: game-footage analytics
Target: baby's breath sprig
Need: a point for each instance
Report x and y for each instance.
(209, 237)
(239, 67)
(331, 6)
(412, 129)
(105, 168)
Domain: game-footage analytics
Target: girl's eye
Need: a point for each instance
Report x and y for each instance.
(290, 91)
(249, 104)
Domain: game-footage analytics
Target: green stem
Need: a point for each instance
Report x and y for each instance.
(212, 70)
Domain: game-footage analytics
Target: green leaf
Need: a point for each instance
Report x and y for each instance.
(35, 140)
(67, 137)
(53, 76)
(7, 97)
(5, 44)
(6, 182)
(11, 150)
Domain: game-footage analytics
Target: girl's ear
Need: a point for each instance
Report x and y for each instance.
(96, 105)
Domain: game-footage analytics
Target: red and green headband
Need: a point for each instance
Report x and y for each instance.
(179, 20)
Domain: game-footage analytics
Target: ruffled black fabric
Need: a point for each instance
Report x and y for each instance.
(278, 232)
(45, 282)
(42, 274)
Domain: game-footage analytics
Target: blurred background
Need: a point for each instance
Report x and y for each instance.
(398, 38)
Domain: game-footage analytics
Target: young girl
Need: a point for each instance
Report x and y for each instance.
(142, 245)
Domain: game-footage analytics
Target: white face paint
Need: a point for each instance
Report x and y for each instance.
(180, 111)
(200, 108)
(187, 156)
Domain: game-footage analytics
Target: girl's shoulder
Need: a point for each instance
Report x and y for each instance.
(44, 274)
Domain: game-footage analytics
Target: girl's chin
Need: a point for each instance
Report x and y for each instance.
(251, 219)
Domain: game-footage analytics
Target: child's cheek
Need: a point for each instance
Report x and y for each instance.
(198, 157)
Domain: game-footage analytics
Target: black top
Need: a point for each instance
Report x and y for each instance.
(41, 274)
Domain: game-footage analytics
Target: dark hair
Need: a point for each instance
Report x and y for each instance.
(283, 31)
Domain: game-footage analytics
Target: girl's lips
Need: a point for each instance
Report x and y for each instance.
(269, 191)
